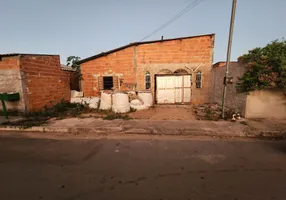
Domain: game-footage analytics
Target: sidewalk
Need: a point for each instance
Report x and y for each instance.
(248, 128)
(11, 118)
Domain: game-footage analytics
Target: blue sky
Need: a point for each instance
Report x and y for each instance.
(87, 27)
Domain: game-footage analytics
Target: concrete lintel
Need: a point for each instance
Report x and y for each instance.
(186, 66)
(107, 74)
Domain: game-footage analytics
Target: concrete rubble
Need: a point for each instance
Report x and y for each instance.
(211, 111)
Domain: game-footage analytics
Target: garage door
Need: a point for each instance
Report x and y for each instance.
(173, 89)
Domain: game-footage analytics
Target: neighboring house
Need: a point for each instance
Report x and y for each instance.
(74, 79)
(270, 103)
(234, 100)
(38, 79)
(67, 68)
(175, 70)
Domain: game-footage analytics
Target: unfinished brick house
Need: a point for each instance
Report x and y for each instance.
(175, 70)
(38, 79)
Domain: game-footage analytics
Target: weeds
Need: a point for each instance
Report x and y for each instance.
(209, 114)
(59, 111)
(114, 116)
(11, 113)
(132, 110)
(98, 104)
(27, 123)
(62, 110)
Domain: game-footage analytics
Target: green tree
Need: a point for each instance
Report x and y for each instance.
(73, 62)
(266, 68)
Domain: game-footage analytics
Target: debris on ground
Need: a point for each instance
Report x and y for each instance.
(207, 111)
(132, 95)
(213, 111)
(138, 105)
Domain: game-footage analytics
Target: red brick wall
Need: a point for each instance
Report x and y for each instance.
(186, 54)
(115, 64)
(131, 64)
(44, 83)
(9, 62)
(190, 50)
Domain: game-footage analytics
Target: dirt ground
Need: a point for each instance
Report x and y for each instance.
(157, 112)
(165, 112)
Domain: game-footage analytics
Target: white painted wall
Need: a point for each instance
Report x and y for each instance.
(266, 104)
(10, 81)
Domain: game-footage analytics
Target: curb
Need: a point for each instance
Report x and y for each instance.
(36, 129)
(141, 131)
(267, 134)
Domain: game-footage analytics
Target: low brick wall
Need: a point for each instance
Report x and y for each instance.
(38, 78)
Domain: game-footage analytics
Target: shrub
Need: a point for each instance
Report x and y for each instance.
(266, 68)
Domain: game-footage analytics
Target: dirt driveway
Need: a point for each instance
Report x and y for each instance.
(165, 112)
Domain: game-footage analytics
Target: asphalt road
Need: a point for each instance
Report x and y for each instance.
(142, 168)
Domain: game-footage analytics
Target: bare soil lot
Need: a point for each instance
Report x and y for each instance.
(165, 112)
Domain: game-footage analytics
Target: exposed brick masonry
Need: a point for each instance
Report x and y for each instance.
(44, 82)
(131, 64)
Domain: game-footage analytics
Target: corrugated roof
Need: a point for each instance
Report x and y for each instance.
(135, 44)
(222, 63)
(67, 68)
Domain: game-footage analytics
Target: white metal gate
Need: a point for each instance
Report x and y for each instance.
(173, 89)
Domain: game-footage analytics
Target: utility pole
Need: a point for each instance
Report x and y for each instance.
(228, 54)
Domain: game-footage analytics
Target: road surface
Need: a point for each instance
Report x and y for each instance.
(137, 168)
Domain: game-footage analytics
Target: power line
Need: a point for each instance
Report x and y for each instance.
(181, 13)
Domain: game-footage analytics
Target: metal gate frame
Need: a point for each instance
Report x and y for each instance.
(155, 88)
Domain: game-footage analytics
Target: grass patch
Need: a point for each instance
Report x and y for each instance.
(209, 114)
(63, 110)
(11, 113)
(209, 117)
(114, 116)
(132, 110)
(59, 111)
